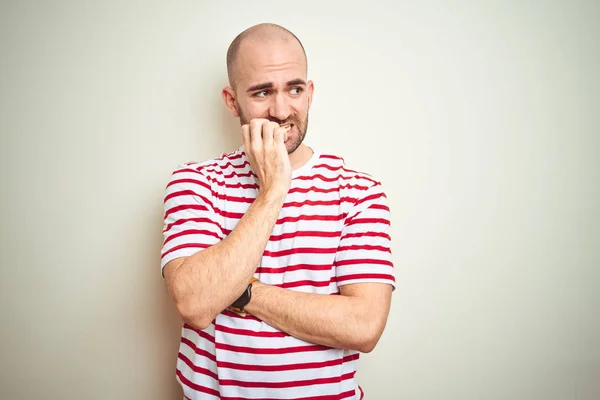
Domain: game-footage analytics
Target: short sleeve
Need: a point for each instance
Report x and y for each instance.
(364, 252)
(190, 221)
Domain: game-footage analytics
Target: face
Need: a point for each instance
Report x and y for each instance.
(271, 83)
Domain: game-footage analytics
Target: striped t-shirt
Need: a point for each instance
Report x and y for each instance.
(333, 230)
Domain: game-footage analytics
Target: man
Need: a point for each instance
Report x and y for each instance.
(277, 257)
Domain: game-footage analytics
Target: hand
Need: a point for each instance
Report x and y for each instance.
(264, 143)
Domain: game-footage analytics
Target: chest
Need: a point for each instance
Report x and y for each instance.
(301, 251)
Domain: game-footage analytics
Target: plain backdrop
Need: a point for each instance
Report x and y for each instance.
(480, 118)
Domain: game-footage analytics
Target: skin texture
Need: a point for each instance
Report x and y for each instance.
(268, 88)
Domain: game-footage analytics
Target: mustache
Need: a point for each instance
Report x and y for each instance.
(286, 121)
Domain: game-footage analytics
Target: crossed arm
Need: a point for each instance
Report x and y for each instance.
(354, 320)
(206, 283)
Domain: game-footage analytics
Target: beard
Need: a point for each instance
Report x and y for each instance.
(293, 141)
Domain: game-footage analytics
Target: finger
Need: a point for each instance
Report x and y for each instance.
(287, 129)
(279, 135)
(256, 125)
(246, 135)
(256, 133)
(267, 132)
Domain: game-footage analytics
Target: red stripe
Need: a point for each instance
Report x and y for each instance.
(229, 214)
(364, 247)
(330, 156)
(189, 220)
(184, 170)
(185, 246)
(185, 192)
(232, 174)
(362, 394)
(234, 185)
(229, 164)
(335, 202)
(366, 276)
(189, 180)
(336, 168)
(355, 221)
(247, 332)
(304, 234)
(279, 350)
(230, 157)
(335, 178)
(200, 333)
(197, 350)
(328, 190)
(342, 167)
(197, 369)
(358, 261)
(287, 285)
(192, 232)
(231, 314)
(239, 215)
(233, 199)
(236, 156)
(300, 250)
(366, 234)
(288, 384)
(207, 165)
(383, 207)
(292, 235)
(172, 210)
(290, 268)
(195, 386)
(225, 157)
(287, 367)
(302, 218)
(344, 395)
(370, 197)
(312, 218)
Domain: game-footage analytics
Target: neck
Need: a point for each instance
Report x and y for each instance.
(300, 156)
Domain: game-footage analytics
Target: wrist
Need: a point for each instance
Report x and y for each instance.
(272, 197)
(253, 305)
(240, 304)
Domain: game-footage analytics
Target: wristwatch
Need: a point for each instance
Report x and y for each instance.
(244, 299)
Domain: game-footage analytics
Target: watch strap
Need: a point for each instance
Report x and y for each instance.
(243, 300)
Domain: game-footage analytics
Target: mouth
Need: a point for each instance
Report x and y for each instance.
(289, 127)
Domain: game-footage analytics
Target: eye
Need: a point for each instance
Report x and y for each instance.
(262, 93)
(296, 90)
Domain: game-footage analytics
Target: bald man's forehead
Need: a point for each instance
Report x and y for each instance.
(257, 58)
(260, 51)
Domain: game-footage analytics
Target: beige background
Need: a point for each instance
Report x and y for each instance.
(481, 119)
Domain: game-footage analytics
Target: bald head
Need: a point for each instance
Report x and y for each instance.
(258, 35)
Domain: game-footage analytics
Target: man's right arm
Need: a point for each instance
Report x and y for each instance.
(207, 282)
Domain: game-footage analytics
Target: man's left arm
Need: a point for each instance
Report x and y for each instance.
(355, 319)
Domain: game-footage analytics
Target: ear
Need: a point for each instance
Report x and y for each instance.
(310, 88)
(228, 95)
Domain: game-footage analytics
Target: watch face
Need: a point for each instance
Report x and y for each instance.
(244, 299)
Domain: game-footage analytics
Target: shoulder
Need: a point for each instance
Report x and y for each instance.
(346, 173)
(361, 189)
(212, 169)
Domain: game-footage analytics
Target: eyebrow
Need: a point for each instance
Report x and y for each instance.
(269, 85)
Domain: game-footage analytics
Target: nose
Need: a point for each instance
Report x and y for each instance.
(279, 107)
